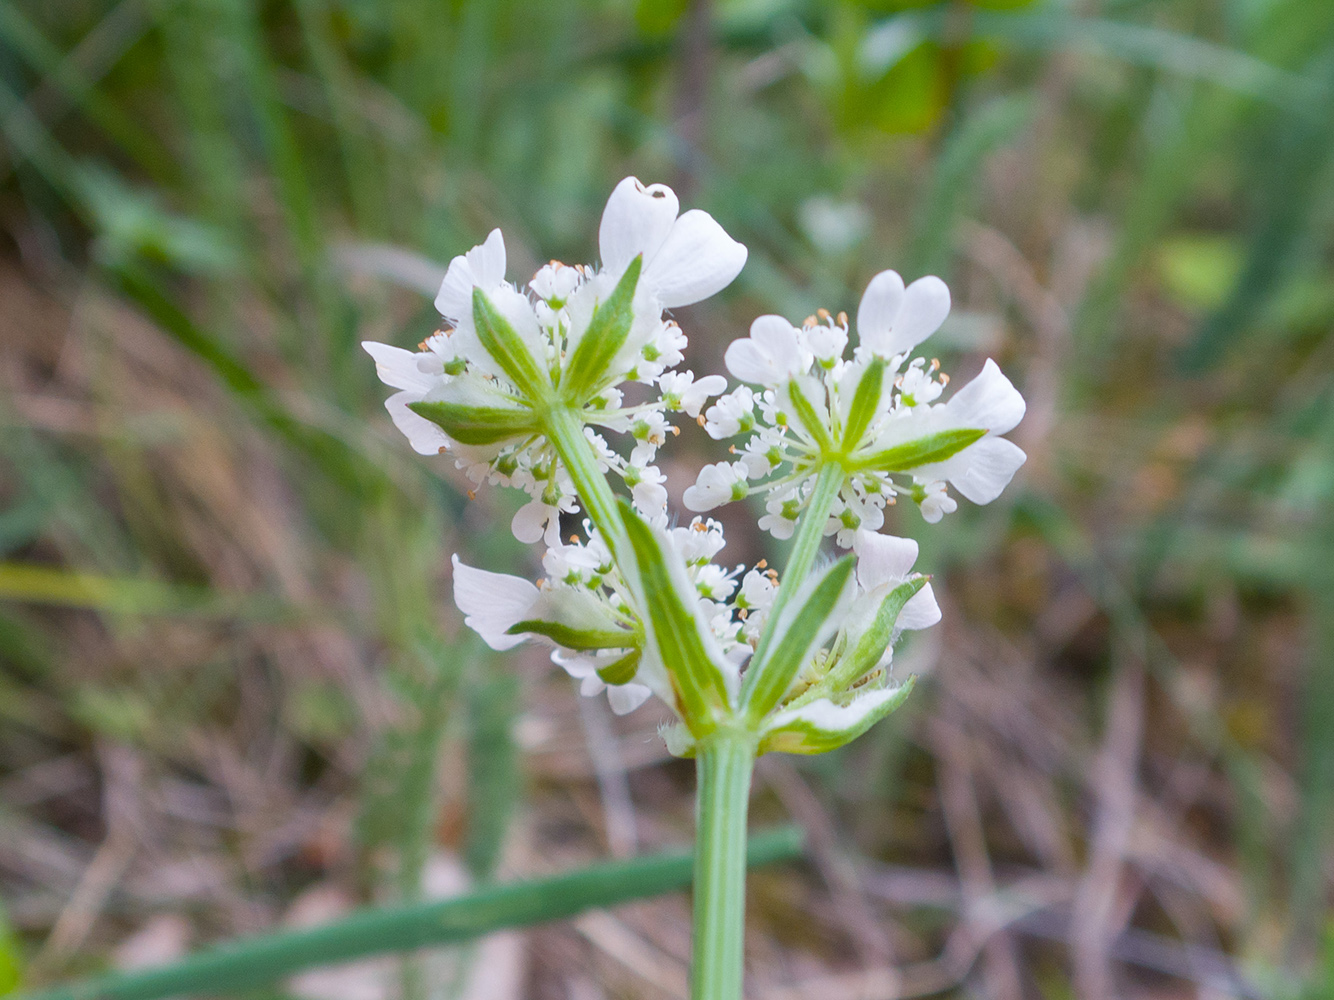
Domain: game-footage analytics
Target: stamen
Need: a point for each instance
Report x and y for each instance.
(822, 313)
(762, 564)
(472, 494)
(843, 320)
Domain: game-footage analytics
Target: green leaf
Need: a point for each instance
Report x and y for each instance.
(576, 638)
(503, 343)
(476, 424)
(586, 369)
(822, 726)
(864, 403)
(795, 636)
(875, 640)
(252, 962)
(924, 451)
(677, 631)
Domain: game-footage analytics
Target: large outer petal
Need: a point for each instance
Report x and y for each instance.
(424, 437)
(981, 471)
(883, 558)
(697, 260)
(921, 611)
(492, 602)
(636, 220)
(397, 368)
(989, 401)
(878, 310)
(926, 303)
(483, 266)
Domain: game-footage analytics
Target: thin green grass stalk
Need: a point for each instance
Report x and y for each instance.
(254, 962)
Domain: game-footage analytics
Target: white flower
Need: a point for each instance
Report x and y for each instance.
(648, 489)
(555, 283)
(934, 502)
(772, 354)
(699, 542)
(731, 414)
(892, 320)
(783, 507)
(716, 485)
(686, 259)
(884, 562)
(623, 698)
(492, 603)
(538, 521)
(682, 391)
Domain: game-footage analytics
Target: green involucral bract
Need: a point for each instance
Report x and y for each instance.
(622, 671)
(588, 365)
(804, 411)
(576, 638)
(477, 425)
(500, 340)
(924, 451)
(865, 402)
(796, 635)
(871, 646)
(822, 725)
(683, 642)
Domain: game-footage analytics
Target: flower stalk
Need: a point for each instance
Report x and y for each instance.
(724, 766)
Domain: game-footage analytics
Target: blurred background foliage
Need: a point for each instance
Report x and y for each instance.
(233, 690)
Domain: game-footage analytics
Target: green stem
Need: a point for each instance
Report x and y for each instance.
(565, 430)
(723, 766)
(809, 535)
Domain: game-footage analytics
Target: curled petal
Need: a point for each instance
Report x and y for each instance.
(625, 698)
(920, 612)
(698, 259)
(883, 559)
(636, 220)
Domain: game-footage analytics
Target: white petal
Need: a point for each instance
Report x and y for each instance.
(883, 559)
(636, 220)
(488, 260)
(492, 602)
(530, 521)
(483, 265)
(989, 401)
(992, 463)
(398, 368)
(926, 303)
(424, 437)
(698, 259)
(921, 611)
(878, 310)
(625, 698)
(749, 362)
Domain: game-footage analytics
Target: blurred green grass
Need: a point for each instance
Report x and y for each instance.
(1133, 201)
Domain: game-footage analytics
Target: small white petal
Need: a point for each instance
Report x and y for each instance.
(636, 220)
(529, 523)
(492, 602)
(698, 259)
(625, 698)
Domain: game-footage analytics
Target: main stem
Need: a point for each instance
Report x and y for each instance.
(723, 767)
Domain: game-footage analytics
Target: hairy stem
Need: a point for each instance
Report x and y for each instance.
(723, 767)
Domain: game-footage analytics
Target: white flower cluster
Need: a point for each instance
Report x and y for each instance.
(677, 260)
(585, 611)
(521, 385)
(871, 414)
